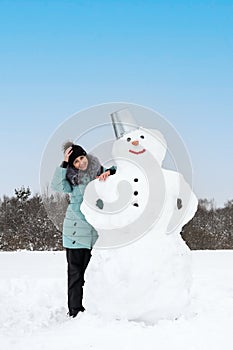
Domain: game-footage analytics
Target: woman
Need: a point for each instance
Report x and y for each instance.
(79, 237)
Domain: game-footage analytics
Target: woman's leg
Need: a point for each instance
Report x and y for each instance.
(77, 260)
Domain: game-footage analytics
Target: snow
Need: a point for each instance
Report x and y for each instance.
(145, 281)
(33, 309)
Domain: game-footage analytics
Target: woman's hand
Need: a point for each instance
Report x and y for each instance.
(104, 175)
(67, 154)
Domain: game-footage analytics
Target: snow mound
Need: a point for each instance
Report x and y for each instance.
(142, 281)
(31, 305)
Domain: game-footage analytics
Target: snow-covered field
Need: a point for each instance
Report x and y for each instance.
(33, 309)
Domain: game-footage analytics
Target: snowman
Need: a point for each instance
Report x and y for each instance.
(139, 211)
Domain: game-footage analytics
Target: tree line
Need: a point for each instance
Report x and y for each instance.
(210, 228)
(35, 223)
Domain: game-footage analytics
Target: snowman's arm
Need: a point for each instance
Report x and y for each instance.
(112, 170)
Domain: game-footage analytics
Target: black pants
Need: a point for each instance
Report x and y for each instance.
(77, 260)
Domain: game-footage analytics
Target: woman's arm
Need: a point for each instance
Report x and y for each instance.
(105, 172)
(59, 182)
(112, 170)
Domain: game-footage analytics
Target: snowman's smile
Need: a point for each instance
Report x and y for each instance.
(139, 152)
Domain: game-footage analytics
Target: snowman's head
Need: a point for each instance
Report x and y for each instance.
(137, 143)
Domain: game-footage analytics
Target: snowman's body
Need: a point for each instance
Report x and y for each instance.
(125, 192)
(140, 195)
(141, 199)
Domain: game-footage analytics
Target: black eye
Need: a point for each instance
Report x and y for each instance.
(128, 139)
(142, 137)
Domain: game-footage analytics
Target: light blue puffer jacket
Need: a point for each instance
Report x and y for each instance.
(77, 232)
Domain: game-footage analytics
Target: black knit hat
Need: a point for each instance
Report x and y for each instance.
(77, 151)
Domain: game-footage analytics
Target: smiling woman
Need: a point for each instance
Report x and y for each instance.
(79, 237)
(75, 156)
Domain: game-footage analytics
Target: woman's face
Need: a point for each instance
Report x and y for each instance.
(81, 163)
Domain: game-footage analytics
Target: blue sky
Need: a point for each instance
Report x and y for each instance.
(59, 57)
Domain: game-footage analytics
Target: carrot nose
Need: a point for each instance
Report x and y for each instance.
(135, 142)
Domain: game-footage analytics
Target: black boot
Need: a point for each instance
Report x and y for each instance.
(74, 312)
